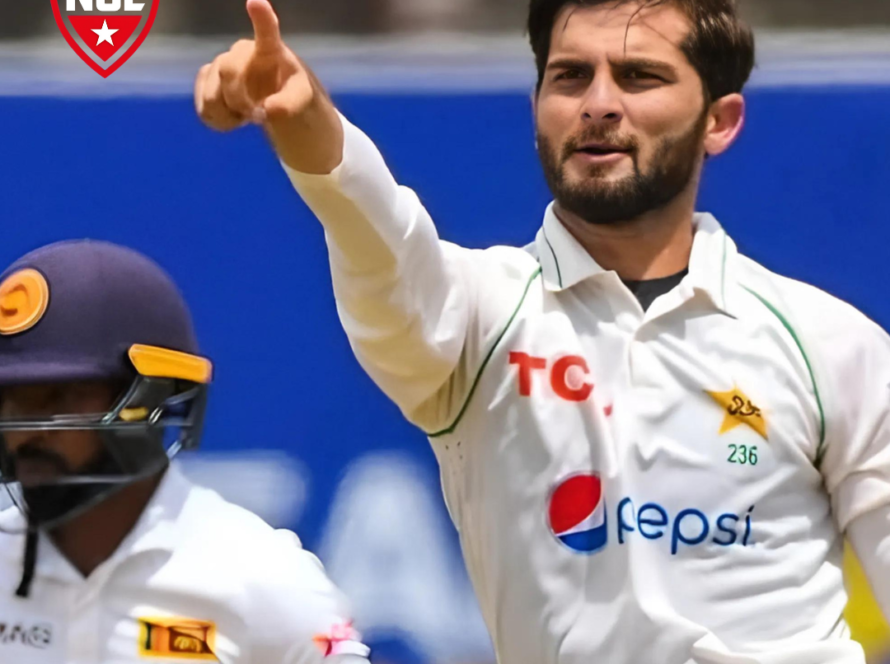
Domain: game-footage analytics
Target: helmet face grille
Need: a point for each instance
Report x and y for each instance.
(149, 424)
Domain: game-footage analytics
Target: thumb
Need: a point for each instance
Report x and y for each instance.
(266, 30)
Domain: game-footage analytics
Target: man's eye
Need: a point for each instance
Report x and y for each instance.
(569, 74)
(638, 75)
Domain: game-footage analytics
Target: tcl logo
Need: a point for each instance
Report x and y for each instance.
(569, 376)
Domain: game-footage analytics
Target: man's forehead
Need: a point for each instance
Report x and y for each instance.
(621, 29)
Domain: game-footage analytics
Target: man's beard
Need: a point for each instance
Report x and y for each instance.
(49, 503)
(607, 203)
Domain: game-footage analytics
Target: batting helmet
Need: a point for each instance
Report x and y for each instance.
(93, 311)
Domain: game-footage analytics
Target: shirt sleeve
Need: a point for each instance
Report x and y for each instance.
(400, 292)
(297, 614)
(856, 462)
(419, 312)
(870, 537)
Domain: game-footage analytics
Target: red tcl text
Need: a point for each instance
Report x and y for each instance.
(570, 389)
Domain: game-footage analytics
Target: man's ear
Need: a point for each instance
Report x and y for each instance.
(726, 117)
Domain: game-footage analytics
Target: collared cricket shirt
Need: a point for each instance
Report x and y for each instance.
(197, 580)
(630, 487)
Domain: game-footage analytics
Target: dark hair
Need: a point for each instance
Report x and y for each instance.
(720, 46)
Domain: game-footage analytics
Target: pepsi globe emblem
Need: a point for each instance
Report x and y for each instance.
(577, 513)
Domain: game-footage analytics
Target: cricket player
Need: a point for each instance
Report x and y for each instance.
(652, 447)
(110, 555)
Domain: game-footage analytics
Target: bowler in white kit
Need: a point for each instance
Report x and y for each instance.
(652, 447)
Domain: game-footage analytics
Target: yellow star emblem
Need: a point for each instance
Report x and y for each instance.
(739, 410)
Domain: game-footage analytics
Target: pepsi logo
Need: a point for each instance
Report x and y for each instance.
(577, 513)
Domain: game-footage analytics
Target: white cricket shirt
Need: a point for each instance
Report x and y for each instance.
(630, 487)
(198, 579)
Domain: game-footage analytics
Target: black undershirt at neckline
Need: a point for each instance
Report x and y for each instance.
(649, 290)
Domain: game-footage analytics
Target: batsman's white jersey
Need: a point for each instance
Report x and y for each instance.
(630, 487)
(197, 580)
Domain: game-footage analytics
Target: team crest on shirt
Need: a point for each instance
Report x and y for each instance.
(739, 410)
(181, 638)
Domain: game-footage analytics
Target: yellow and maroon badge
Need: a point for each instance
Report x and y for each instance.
(180, 638)
(105, 33)
(24, 297)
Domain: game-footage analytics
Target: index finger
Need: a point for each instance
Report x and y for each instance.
(266, 30)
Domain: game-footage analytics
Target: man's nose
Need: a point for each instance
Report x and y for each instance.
(603, 105)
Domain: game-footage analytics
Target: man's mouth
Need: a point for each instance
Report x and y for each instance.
(32, 473)
(600, 154)
(37, 469)
(602, 149)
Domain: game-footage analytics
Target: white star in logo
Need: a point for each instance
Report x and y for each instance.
(104, 34)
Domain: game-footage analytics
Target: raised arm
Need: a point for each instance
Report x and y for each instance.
(405, 298)
(262, 81)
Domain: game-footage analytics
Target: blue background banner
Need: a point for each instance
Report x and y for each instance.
(805, 192)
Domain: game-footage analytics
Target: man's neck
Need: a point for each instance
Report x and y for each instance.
(653, 246)
(91, 538)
